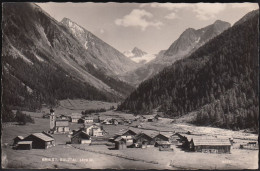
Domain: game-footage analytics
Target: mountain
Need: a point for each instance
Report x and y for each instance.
(42, 61)
(139, 56)
(115, 61)
(219, 81)
(188, 42)
(138, 52)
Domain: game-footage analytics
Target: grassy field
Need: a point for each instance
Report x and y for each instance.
(65, 156)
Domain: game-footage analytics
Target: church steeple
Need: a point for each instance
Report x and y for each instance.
(52, 119)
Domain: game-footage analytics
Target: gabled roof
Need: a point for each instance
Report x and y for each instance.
(119, 139)
(81, 133)
(143, 135)
(43, 137)
(128, 132)
(211, 142)
(76, 115)
(62, 122)
(20, 137)
(161, 135)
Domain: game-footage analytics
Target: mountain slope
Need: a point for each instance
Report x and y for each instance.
(115, 61)
(43, 62)
(188, 42)
(220, 79)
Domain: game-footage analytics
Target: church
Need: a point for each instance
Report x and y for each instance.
(58, 125)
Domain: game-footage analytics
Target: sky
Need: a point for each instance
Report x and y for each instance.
(152, 27)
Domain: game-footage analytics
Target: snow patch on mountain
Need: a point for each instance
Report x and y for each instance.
(16, 53)
(39, 58)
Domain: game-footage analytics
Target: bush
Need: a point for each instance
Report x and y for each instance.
(22, 118)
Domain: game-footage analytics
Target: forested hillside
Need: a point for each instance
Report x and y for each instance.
(42, 62)
(220, 80)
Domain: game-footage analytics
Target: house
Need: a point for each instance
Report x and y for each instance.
(160, 137)
(17, 139)
(24, 145)
(142, 140)
(61, 126)
(210, 145)
(80, 137)
(40, 141)
(177, 139)
(94, 130)
(163, 145)
(75, 117)
(120, 143)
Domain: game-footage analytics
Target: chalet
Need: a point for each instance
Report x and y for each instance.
(75, 117)
(160, 137)
(61, 126)
(142, 140)
(210, 145)
(24, 145)
(40, 141)
(177, 139)
(94, 130)
(17, 139)
(163, 145)
(80, 137)
(120, 143)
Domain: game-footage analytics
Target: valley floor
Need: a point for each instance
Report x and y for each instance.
(69, 156)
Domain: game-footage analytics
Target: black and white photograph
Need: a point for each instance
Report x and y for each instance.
(165, 86)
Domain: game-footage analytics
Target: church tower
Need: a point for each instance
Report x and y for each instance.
(52, 119)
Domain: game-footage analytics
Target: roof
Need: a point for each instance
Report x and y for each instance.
(81, 132)
(43, 137)
(142, 135)
(129, 131)
(211, 142)
(20, 137)
(76, 115)
(160, 134)
(62, 123)
(24, 142)
(119, 139)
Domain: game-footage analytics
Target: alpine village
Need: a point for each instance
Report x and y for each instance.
(72, 101)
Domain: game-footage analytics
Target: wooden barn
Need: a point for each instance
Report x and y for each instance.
(142, 140)
(177, 139)
(120, 143)
(24, 145)
(17, 139)
(80, 137)
(40, 141)
(129, 137)
(210, 145)
(160, 137)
